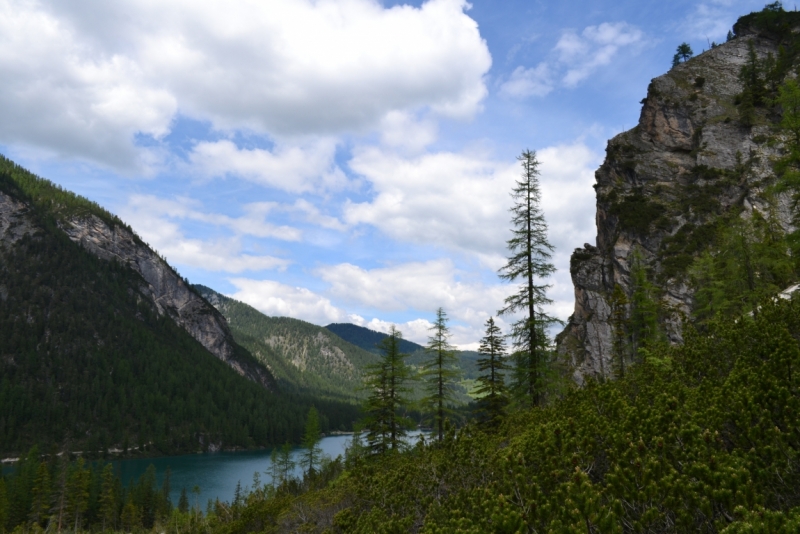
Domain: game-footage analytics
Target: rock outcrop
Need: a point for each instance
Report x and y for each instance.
(165, 289)
(662, 184)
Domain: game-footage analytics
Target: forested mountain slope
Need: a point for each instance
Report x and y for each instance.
(302, 356)
(88, 361)
(698, 195)
(368, 339)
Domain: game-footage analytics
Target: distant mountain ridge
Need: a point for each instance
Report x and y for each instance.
(368, 339)
(303, 357)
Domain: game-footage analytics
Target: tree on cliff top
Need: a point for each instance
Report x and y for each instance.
(683, 53)
(530, 263)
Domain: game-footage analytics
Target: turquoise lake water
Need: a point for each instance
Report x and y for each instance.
(216, 473)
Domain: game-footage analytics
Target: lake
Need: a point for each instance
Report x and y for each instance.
(216, 473)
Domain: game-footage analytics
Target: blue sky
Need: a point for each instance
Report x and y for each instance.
(338, 160)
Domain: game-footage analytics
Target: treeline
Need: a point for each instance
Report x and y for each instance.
(87, 364)
(58, 494)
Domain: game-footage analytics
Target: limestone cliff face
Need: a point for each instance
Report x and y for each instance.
(662, 184)
(165, 289)
(161, 285)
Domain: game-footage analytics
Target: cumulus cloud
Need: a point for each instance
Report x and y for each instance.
(296, 168)
(453, 200)
(83, 79)
(573, 59)
(461, 203)
(276, 299)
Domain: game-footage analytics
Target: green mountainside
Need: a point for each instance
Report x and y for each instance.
(368, 339)
(698, 438)
(303, 357)
(88, 363)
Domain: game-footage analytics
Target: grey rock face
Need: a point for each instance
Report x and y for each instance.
(688, 135)
(165, 289)
(14, 222)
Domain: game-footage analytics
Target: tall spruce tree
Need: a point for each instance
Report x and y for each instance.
(385, 425)
(492, 389)
(439, 373)
(529, 264)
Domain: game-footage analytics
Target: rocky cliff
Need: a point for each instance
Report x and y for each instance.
(165, 289)
(664, 185)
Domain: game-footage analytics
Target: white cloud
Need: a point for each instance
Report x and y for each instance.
(536, 81)
(154, 220)
(276, 299)
(713, 19)
(83, 79)
(461, 202)
(401, 129)
(421, 287)
(594, 48)
(574, 58)
(289, 167)
(451, 200)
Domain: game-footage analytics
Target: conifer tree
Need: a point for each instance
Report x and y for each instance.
(183, 502)
(285, 463)
(313, 434)
(439, 373)
(386, 426)
(619, 310)
(108, 501)
(492, 390)
(78, 492)
(683, 53)
(40, 495)
(530, 263)
(643, 322)
(3, 504)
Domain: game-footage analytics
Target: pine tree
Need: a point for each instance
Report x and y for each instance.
(492, 390)
(40, 502)
(439, 373)
(683, 53)
(108, 499)
(386, 381)
(78, 492)
(3, 504)
(313, 454)
(531, 253)
(183, 502)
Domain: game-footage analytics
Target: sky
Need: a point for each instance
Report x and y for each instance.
(339, 160)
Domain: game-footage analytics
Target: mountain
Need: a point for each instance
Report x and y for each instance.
(104, 345)
(701, 159)
(303, 357)
(368, 339)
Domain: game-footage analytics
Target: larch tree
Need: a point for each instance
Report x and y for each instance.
(386, 381)
(492, 365)
(529, 264)
(439, 373)
(313, 434)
